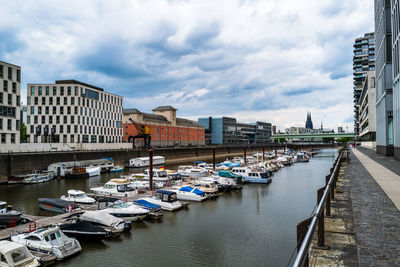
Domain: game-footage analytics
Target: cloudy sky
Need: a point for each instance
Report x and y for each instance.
(267, 60)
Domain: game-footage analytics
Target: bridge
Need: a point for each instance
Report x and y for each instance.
(313, 135)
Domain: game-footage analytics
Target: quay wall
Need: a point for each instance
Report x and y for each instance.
(21, 163)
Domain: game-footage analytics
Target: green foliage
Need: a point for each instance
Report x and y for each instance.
(22, 132)
(346, 139)
(328, 139)
(281, 140)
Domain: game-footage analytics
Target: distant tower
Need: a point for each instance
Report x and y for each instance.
(309, 121)
(322, 127)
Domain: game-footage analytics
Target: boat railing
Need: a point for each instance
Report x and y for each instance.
(306, 228)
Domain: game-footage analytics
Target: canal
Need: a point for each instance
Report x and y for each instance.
(252, 227)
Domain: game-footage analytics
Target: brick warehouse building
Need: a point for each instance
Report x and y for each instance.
(166, 128)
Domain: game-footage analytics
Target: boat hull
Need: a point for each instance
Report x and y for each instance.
(10, 218)
(84, 236)
(257, 180)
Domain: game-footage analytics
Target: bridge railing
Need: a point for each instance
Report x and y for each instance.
(306, 228)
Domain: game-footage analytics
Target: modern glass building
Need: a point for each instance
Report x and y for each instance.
(384, 81)
(395, 9)
(363, 61)
(227, 130)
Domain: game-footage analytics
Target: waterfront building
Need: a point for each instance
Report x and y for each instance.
(395, 9)
(10, 101)
(273, 129)
(367, 111)
(73, 112)
(166, 129)
(383, 77)
(363, 61)
(227, 130)
(309, 124)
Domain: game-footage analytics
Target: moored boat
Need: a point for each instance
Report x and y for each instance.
(84, 231)
(144, 161)
(15, 254)
(49, 240)
(78, 196)
(95, 171)
(113, 225)
(8, 215)
(115, 188)
(189, 193)
(57, 205)
(168, 200)
(126, 211)
(116, 169)
(253, 176)
(155, 211)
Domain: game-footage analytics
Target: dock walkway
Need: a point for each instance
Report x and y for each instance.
(376, 217)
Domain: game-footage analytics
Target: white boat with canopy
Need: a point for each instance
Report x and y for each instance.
(78, 196)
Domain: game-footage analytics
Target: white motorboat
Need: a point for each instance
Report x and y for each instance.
(78, 196)
(206, 185)
(158, 175)
(126, 211)
(191, 171)
(144, 161)
(15, 254)
(49, 240)
(116, 188)
(253, 176)
(143, 185)
(284, 160)
(168, 200)
(95, 171)
(189, 193)
(301, 157)
(8, 215)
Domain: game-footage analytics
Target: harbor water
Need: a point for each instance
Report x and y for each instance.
(255, 226)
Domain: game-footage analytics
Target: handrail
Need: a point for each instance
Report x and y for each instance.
(303, 250)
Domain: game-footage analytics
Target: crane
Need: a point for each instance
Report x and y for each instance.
(143, 132)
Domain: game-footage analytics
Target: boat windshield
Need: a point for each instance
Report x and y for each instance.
(78, 195)
(121, 206)
(19, 255)
(162, 174)
(264, 175)
(109, 186)
(2, 206)
(173, 197)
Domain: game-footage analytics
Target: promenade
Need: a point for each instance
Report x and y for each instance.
(375, 196)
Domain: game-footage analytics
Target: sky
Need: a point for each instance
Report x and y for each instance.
(267, 60)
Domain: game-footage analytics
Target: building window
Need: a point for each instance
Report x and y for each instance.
(57, 119)
(17, 125)
(1, 71)
(18, 100)
(72, 101)
(3, 138)
(85, 138)
(54, 90)
(36, 100)
(18, 75)
(5, 86)
(14, 87)
(32, 110)
(12, 138)
(61, 129)
(69, 90)
(47, 90)
(39, 90)
(65, 101)
(43, 101)
(54, 110)
(61, 90)
(72, 120)
(47, 110)
(10, 99)
(61, 110)
(50, 101)
(35, 119)
(43, 119)
(65, 119)
(1, 98)
(93, 139)
(9, 122)
(68, 129)
(39, 110)
(51, 119)
(10, 73)
(1, 124)
(58, 101)
(76, 90)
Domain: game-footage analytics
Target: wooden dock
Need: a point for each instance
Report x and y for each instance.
(40, 223)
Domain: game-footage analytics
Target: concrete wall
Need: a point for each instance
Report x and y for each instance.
(19, 163)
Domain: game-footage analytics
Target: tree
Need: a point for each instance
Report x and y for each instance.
(22, 132)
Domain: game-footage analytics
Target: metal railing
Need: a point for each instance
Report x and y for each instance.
(325, 195)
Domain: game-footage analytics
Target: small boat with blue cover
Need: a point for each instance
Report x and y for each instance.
(155, 213)
(167, 199)
(190, 193)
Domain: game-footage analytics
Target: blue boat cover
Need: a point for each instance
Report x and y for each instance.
(189, 189)
(148, 204)
(198, 162)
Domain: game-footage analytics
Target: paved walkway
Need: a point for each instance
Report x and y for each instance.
(376, 218)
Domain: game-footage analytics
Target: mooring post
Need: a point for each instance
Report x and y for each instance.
(275, 150)
(263, 153)
(328, 199)
(302, 228)
(151, 169)
(213, 158)
(244, 152)
(321, 225)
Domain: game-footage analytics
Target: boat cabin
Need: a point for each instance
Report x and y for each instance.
(111, 202)
(14, 254)
(121, 185)
(145, 161)
(60, 169)
(166, 196)
(156, 173)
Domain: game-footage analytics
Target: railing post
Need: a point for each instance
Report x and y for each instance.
(321, 220)
(213, 158)
(328, 199)
(151, 169)
(244, 152)
(302, 228)
(263, 153)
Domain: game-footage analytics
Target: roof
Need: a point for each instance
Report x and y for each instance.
(131, 111)
(164, 108)
(80, 83)
(3, 62)
(181, 121)
(154, 117)
(7, 246)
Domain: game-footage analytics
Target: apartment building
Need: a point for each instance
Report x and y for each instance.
(71, 111)
(395, 17)
(363, 61)
(10, 102)
(367, 111)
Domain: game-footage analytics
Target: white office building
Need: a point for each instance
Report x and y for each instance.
(367, 110)
(73, 112)
(10, 94)
(395, 15)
